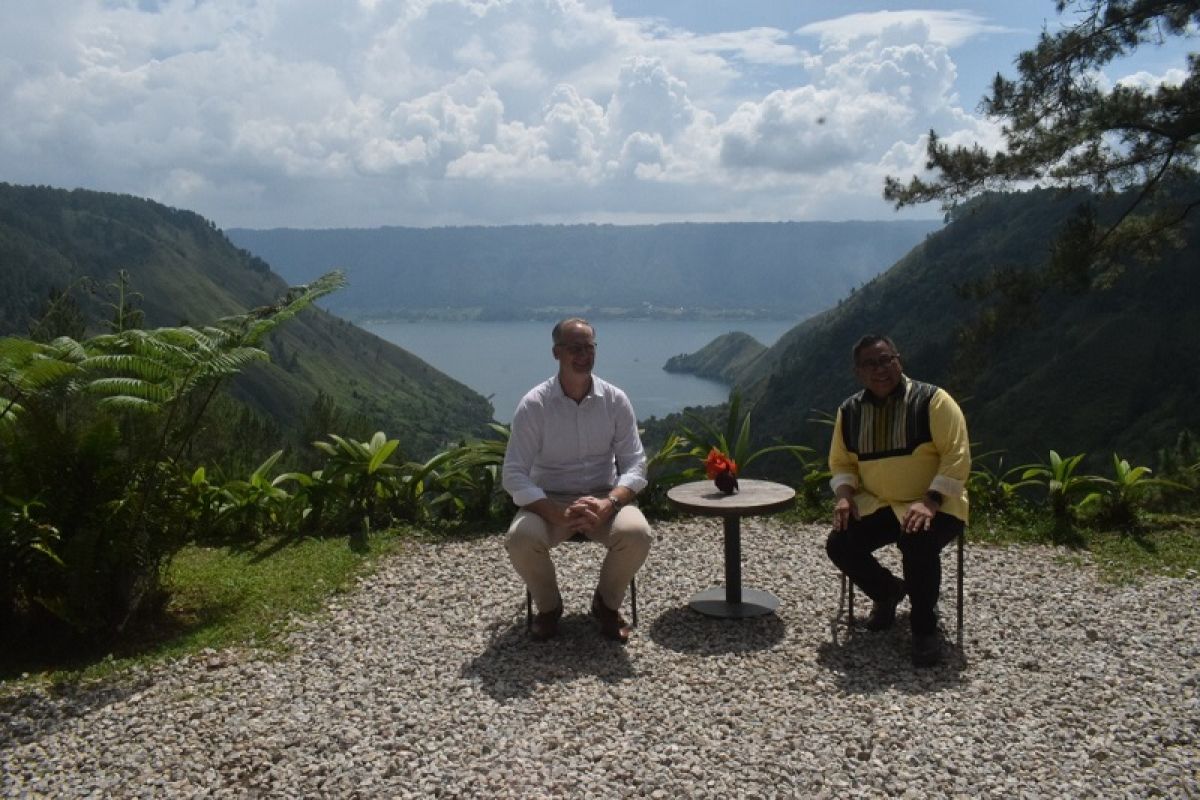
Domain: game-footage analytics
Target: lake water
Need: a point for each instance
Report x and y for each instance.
(503, 360)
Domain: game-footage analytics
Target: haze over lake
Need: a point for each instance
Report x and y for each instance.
(503, 360)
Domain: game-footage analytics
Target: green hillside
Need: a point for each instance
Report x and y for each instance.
(1093, 371)
(187, 271)
(722, 359)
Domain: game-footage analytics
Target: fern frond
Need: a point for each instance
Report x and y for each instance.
(67, 349)
(126, 402)
(134, 387)
(257, 324)
(40, 373)
(138, 366)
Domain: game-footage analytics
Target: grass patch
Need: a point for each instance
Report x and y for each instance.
(1156, 544)
(221, 597)
(1169, 546)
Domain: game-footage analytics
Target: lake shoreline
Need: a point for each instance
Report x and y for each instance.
(502, 360)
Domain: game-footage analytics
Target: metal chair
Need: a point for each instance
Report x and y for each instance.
(579, 537)
(848, 590)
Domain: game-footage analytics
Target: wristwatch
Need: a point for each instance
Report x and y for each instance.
(935, 496)
(616, 502)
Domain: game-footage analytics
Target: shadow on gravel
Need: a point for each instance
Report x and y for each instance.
(865, 663)
(29, 715)
(514, 666)
(685, 630)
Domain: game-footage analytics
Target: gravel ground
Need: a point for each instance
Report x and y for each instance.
(421, 683)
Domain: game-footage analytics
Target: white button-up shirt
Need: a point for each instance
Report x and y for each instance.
(563, 447)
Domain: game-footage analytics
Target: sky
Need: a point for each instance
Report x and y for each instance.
(361, 113)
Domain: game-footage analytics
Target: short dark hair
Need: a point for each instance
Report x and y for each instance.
(870, 340)
(562, 323)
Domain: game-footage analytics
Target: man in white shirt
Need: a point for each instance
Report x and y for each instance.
(574, 464)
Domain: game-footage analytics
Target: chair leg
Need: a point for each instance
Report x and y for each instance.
(961, 540)
(848, 587)
(633, 598)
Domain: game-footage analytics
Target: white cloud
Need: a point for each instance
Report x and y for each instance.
(368, 112)
(1147, 80)
(947, 28)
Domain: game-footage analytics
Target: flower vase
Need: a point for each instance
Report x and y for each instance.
(726, 481)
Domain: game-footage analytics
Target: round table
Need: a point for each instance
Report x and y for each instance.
(753, 498)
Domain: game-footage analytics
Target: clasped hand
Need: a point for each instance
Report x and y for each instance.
(586, 513)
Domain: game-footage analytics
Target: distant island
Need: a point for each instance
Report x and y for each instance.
(722, 359)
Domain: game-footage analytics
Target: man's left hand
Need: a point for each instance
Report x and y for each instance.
(919, 517)
(587, 513)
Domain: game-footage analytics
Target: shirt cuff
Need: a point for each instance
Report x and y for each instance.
(632, 483)
(946, 486)
(843, 479)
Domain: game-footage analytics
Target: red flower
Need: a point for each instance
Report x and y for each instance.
(717, 463)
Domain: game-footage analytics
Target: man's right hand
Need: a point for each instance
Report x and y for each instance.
(843, 511)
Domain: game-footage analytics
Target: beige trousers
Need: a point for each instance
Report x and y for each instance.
(530, 540)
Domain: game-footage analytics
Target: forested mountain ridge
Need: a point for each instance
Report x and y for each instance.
(1088, 371)
(782, 269)
(187, 272)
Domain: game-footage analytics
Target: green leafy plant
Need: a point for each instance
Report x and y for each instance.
(257, 506)
(94, 431)
(814, 481)
(671, 464)
(1062, 484)
(28, 555)
(365, 474)
(1118, 499)
(990, 486)
(465, 481)
(734, 441)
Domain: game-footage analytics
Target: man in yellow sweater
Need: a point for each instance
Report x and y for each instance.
(900, 459)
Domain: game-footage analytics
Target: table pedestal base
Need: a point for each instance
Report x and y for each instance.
(714, 603)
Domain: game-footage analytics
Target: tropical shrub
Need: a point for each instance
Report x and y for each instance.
(92, 436)
(671, 464)
(734, 441)
(464, 483)
(991, 487)
(1118, 499)
(1062, 484)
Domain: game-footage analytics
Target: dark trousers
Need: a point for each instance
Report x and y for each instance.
(852, 551)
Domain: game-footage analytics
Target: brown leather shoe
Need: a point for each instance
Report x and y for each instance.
(545, 624)
(612, 624)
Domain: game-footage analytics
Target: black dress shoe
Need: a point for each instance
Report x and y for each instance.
(926, 650)
(883, 615)
(545, 625)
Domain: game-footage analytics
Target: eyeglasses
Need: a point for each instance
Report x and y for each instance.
(877, 363)
(578, 349)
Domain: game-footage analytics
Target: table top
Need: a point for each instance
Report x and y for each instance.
(753, 497)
